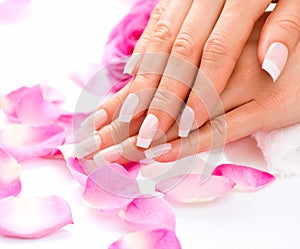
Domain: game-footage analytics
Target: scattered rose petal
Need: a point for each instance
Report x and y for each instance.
(188, 189)
(8, 103)
(10, 184)
(153, 239)
(80, 168)
(13, 10)
(52, 95)
(148, 213)
(32, 218)
(34, 110)
(33, 106)
(245, 178)
(110, 188)
(24, 142)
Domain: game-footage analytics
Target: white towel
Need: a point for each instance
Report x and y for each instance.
(281, 149)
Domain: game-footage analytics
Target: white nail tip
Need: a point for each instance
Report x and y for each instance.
(88, 146)
(128, 108)
(183, 133)
(132, 63)
(186, 121)
(143, 142)
(271, 68)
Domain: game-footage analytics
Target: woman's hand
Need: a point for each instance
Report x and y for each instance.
(196, 33)
(250, 100)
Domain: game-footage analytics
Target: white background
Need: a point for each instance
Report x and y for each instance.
(57, 37)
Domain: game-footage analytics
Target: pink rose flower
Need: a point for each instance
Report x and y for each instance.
(122, 40)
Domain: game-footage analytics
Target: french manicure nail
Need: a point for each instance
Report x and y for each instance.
(147, 131)
(95, 120)
(275, 59)
(158, 151)
(132, 63)
(88, 146)
(186, 121)
(110, 154)
(128, 108)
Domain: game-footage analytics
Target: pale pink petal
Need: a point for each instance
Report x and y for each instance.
(245, 178)
(80, 168)
(9, 102)
(188, 189)
(32, 218)
(10, 184)
(52, 95)
(13, 10)
(153, 239)
(32, 108)
(110, 188)
(148, 213)
(23, 142)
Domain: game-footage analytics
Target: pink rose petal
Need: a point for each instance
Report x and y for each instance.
(245, 178)
(10, 184)
(8, 103)
(153, 239)
(148, 214)
(188, 189)
(33, 109)
(110, 188)
(33, 106)
(13, 10)
(32, 218)
(24, 143)
(80, 168)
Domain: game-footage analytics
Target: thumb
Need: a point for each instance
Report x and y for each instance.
(279, 35)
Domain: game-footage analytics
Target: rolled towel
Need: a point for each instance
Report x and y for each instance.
(281, 148)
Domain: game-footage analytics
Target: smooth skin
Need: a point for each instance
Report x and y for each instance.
(251, 102)
(210, 35)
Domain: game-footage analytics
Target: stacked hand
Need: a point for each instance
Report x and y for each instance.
(229, 97)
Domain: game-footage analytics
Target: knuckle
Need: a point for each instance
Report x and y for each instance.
(290, 23)
(216, 47)
(162, 31)
(157, 12)
(219, 128)
(184, 45)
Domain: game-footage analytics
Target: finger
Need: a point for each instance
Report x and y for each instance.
(140, 47)
(154, 59)
(181, 69)
(220, 55)
(279, 37)
(106, 112)
(110, 135)
(236, 124)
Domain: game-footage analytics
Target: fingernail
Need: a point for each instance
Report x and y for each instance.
(147, 131)
(110, 154)
(128, 108)
(158, 151)
(132, 63)
(275, 59)
(186, 121)
(88, 146)
(95, 120)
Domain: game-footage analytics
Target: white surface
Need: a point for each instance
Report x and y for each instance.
(57, 37)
